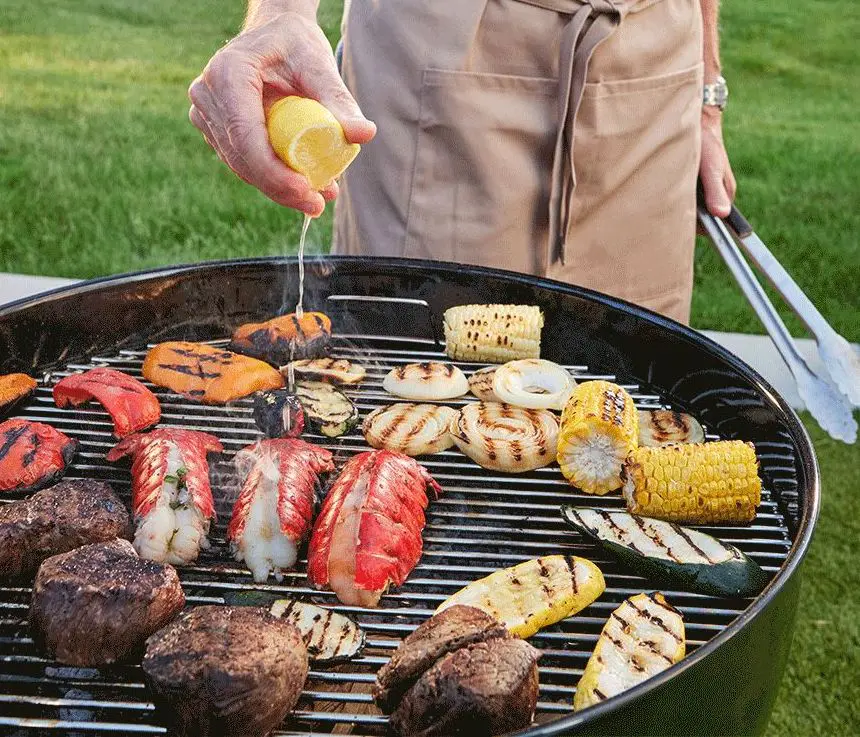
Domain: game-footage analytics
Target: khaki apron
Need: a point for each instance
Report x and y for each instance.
(551, 137)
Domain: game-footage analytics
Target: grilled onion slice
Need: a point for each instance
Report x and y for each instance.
(504, 438)
(659, 427)
(533, 383)
(426, 381)
(481, 384)
(413, 429)
(329, 370)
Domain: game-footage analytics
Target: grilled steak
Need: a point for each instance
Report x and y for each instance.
(99, 603)
(461, 672)
(54, 520)
(444, 633)
(221, 670)
(485, 688)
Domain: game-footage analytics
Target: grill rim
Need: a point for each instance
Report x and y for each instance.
(808, 469)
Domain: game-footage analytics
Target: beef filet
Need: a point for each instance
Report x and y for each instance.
(485, 688)
(52, 521)
(460, 672)
(224, 671)
(443, 633)
(98, 604)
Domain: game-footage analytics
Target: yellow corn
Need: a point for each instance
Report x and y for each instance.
(599, 427)
(492, 333)
(533, 594)
(704, 483)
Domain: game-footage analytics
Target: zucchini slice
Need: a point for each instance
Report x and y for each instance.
(641, 638)
(328, 370)
(533, 594)
(670, 555)
(326, 408)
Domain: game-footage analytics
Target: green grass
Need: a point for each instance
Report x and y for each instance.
(100, 172)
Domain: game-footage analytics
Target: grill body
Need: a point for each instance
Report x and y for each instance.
(727, 683)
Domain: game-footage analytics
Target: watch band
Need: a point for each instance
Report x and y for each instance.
(716, 94)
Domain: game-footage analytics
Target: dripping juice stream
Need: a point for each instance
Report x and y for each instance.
(291, 374)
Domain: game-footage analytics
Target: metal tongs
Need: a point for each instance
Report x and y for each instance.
(831, 399)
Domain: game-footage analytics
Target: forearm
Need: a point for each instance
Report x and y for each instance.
(260, 11)
(711, 39)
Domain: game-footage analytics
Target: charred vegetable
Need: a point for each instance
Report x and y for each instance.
(14, 388)
(642, 637)
(330, 637)
(708, 483)
(492, 333)
(664, 427)
(279, 414)
(32, 455)
(329, 370)
(426, 382)
(533, 383)
(504, 438)
(285, 338)
(481, 384)
(670, 555)
(326, 408)
(207, 374)
(413, 429)
(533, 594)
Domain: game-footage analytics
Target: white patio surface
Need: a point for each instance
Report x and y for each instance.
(756, 350)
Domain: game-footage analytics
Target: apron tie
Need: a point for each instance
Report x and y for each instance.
(590, 24)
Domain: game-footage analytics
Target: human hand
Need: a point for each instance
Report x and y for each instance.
(715, 171)
(287, 54)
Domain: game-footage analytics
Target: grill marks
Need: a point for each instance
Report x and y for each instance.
(413, 429)
(642, 637)
(212, 375)
(505, 438)
(284, 338)
(664, 427)
(32, 455)
(427, 381)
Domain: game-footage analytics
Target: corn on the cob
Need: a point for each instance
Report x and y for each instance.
(533, 594)
(492, 333)
(599, 427)
(703, 483)
(642, 637)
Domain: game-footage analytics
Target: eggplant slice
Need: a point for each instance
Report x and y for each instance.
(326, 408)
(668, 554)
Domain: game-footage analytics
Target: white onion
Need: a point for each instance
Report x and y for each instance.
(505, 438)
(533, 383)
(427, 381)
(413, 429)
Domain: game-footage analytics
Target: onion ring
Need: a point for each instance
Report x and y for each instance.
(413, 429)
(533, 383)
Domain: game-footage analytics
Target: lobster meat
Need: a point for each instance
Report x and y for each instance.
(273, 514)
(368, 532)
(171, 497)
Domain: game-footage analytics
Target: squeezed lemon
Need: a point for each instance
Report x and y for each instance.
(308, 138)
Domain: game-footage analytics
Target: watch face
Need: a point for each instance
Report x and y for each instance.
(716, 94)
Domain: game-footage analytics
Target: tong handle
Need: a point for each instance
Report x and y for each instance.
(738, 223)
(752, 289)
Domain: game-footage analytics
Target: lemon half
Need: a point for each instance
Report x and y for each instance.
(308, 138)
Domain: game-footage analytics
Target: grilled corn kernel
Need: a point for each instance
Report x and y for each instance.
(492, 333)
(599, 427)
(705, 483)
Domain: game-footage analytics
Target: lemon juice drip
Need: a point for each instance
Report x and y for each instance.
(299, 309)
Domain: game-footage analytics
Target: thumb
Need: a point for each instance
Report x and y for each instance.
(332, 92)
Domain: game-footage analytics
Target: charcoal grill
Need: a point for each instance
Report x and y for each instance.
(387, 312)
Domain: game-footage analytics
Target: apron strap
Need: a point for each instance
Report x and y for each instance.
(590, 24)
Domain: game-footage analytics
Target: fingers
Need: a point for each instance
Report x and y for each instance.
(227, 107)
(717, 198)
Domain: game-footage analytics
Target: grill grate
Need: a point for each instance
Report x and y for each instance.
(484, 521)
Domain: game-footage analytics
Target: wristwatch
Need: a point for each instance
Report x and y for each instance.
(716, 94)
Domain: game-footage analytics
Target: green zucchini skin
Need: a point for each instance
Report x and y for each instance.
(314, 395)
(739, 576)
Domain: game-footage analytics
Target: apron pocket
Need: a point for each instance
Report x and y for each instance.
(636, 152)
(480, 185)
